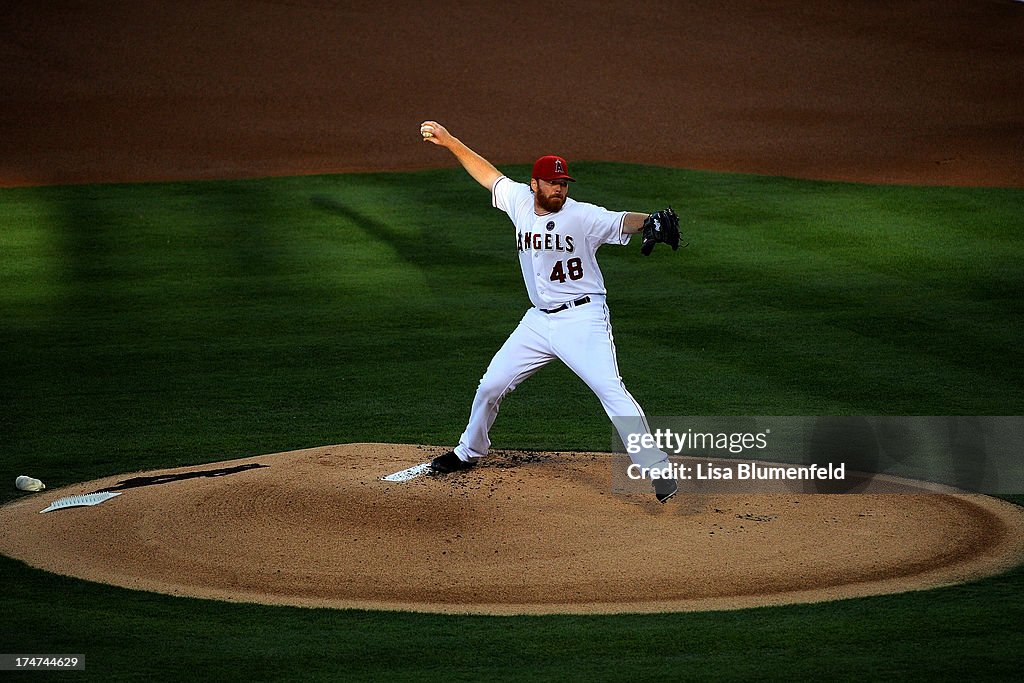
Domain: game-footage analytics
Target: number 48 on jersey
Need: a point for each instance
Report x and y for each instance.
(573, 268)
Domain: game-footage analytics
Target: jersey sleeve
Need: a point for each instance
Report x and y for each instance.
(506, 193)
(515, 199)
(605, 227)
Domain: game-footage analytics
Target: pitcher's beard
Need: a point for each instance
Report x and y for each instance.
(550, 204)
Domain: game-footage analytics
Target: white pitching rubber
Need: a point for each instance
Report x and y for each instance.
(411, 473)
(88, 499)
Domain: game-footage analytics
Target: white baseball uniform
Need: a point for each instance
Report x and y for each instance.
(569, 319)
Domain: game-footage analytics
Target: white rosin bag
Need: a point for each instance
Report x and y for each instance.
(26, 483)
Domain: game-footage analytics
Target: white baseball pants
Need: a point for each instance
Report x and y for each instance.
(581, 337)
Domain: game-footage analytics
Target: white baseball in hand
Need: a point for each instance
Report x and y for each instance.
(427, 131)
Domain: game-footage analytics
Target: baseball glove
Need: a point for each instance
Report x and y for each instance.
(660, 226)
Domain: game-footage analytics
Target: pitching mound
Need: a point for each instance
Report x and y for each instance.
(522, 533)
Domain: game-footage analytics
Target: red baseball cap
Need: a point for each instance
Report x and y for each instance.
(552, 167)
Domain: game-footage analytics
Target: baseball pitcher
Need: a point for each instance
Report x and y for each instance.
(557, 239)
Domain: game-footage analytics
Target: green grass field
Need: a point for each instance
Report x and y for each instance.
(158, 325)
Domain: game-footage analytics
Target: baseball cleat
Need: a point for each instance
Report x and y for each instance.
(665, 489)
(449, 462)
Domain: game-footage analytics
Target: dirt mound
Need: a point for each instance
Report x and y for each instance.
(521, 533)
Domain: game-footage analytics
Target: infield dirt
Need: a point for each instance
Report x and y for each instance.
(917, 91)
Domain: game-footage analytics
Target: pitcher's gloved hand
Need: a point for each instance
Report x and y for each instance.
(660, 226)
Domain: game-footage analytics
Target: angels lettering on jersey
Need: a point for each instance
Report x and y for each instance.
(545, 241)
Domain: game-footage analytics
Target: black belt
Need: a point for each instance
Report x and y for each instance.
(578, 302)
